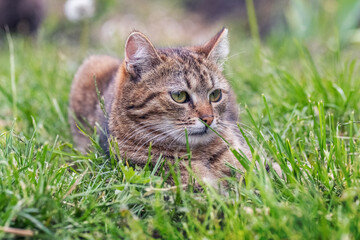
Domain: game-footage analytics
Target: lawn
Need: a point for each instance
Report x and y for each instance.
(299, 99)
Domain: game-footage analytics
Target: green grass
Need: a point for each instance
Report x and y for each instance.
(300, 108)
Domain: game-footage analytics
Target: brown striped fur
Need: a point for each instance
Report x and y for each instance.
(137, 98)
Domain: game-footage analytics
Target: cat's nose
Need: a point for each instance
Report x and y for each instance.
(208, 119)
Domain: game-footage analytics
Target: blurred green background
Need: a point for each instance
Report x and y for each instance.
(187, 21)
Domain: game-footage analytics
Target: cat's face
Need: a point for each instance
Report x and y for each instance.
(178, 89)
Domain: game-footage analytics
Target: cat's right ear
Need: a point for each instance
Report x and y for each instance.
(140, 54)
(217, 48)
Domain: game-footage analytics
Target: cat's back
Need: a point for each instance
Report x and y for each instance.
(83, 96)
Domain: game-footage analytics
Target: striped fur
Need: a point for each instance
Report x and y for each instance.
(140, 108)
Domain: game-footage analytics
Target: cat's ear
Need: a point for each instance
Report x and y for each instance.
(140, 54)
(217, 48)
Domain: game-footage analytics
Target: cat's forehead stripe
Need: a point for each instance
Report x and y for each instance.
(197, 75)
(188, 82)
(192, 70)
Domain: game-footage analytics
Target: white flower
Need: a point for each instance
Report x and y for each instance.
(76, 10)
(249, 210)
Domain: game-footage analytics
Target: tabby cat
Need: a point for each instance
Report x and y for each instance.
(153, 95)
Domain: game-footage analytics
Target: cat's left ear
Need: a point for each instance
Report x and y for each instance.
(140, 55)
(217, 48)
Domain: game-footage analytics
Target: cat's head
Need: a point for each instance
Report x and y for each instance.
(168, 90)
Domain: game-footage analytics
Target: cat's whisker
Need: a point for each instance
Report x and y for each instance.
(149, 140)
(136, 128)
(161, 130)
(169, 135)
(178, 137)
(134, 131)
(131, 130)
(145, 136)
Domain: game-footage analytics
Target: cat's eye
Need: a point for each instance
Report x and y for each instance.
(180, 97)
(215, 96)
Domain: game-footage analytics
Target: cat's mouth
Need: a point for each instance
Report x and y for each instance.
(197, 136)
(199, 133)
(204, 131)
